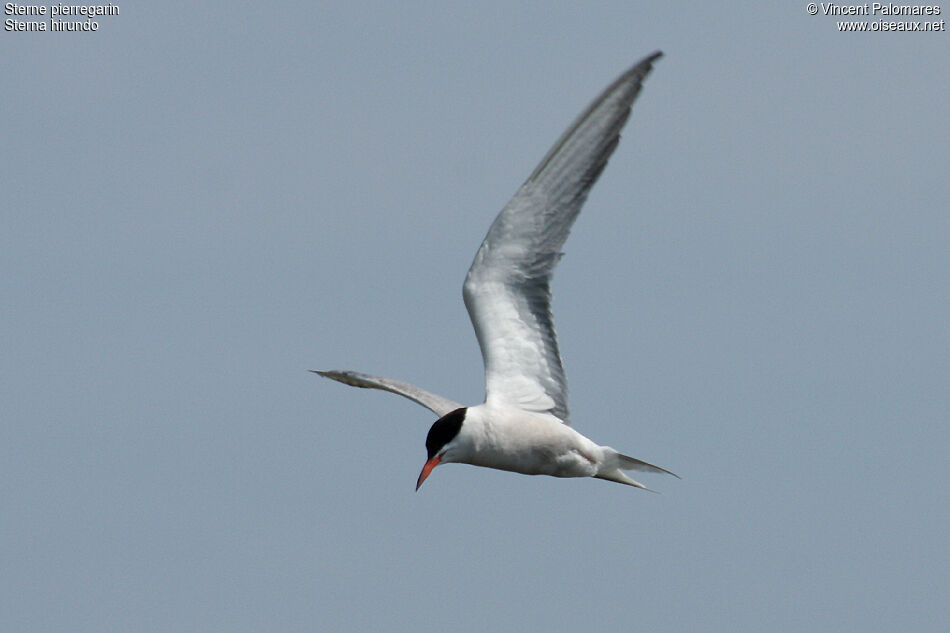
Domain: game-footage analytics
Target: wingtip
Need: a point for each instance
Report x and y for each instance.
(647, 62)
(643, 67)
(649, 59)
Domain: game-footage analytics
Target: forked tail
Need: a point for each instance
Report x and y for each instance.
(616, 463)
(632, 463)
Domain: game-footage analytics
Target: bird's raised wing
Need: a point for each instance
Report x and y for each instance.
(507, 289)
(430, 401)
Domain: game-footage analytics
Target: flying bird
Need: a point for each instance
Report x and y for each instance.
(523, 426)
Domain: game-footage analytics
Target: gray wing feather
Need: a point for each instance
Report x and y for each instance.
(435, 403)
(507, 289)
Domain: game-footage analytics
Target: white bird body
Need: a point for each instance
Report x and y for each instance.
(523, 425)
(509, 438)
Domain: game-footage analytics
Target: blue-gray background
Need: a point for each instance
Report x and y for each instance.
(202, 201)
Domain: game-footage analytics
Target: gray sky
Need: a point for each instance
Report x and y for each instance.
(201, 202)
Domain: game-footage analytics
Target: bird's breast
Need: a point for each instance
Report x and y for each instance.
(532, 444)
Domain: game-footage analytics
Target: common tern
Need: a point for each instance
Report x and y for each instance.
(523, 426)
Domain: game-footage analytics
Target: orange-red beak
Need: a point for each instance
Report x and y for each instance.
(432, 463)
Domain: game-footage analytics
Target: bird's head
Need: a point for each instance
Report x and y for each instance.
(442, 441)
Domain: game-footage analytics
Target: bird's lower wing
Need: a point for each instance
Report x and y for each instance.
(439, 405)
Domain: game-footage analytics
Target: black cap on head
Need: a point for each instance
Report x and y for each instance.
(444, 431)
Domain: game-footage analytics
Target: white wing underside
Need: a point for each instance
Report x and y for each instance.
(507, 289)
